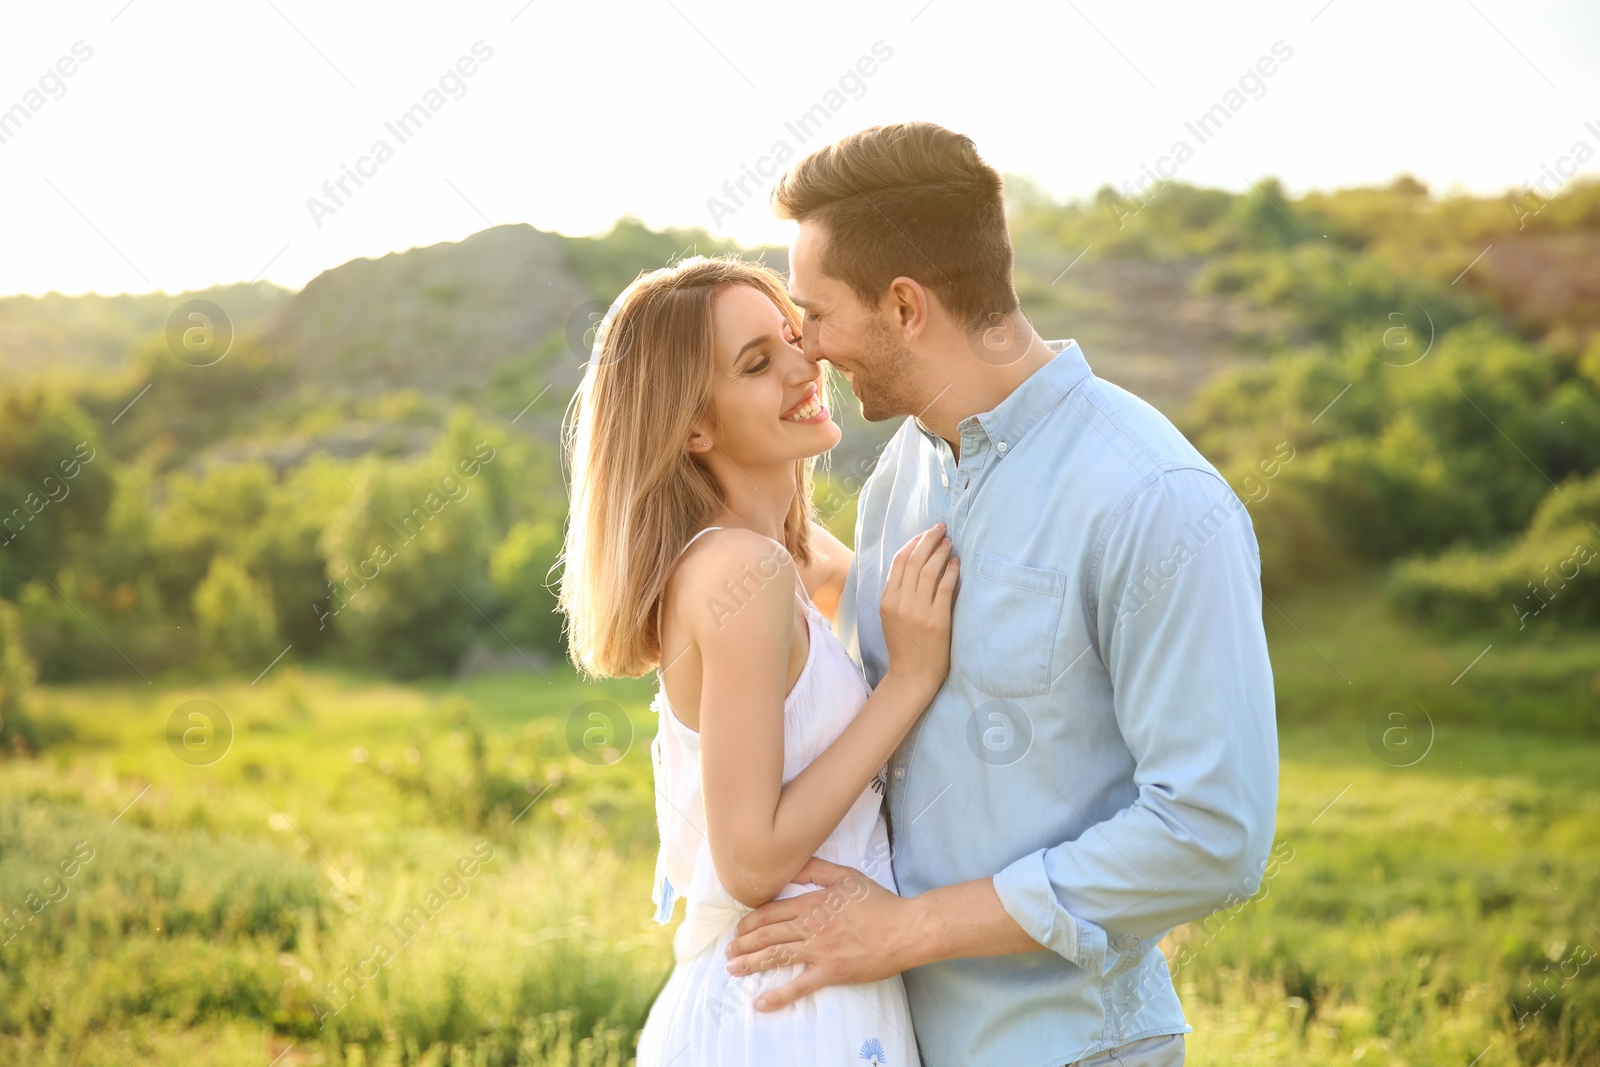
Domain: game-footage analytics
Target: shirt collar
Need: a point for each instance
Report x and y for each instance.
(1014, 416)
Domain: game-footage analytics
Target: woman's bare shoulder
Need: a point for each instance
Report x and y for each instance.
(727, 569)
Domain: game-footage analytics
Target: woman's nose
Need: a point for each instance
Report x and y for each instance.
(805, 368)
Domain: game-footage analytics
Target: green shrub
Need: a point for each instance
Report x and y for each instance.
(234, 612)
(17, 674)
(522, 567)
(1550, 575)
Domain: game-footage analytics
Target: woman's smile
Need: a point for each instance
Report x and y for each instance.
(809, 409)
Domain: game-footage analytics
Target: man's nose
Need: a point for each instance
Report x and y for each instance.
(809, 343)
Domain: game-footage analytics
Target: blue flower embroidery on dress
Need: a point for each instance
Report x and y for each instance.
(666, 897)
(872, 1052)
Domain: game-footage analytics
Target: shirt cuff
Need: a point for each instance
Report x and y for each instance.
(1026, 893)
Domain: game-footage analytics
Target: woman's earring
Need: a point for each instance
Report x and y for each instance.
(699, 442)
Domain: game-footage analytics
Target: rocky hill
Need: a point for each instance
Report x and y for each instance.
(439, 319)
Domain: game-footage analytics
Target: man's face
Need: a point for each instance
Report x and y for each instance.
(861, 342)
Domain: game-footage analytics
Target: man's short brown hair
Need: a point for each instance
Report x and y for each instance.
(912, 199)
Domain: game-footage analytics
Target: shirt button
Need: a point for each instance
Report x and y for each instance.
(944, 479)
(1000, 448)
(900, 774)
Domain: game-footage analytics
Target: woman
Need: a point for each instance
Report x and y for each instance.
(691, 549)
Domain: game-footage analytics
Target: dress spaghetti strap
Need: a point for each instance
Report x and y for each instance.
(662, 601)
(805, 598)
(696, 537)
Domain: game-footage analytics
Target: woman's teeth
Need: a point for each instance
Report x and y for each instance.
(809, 410)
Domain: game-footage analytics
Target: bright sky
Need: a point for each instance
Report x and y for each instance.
(182, 151)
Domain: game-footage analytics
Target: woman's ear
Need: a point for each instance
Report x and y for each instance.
(699, 442)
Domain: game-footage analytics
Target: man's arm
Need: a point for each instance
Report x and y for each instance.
(1178, 619)
(854, 930)
(1194, 703)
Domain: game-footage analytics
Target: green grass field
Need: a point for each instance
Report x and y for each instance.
(307, 896)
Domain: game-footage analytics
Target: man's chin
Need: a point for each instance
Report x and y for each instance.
(874, 414)
(864, 401)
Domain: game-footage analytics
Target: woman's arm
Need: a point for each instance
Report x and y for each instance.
(830, 564)
(761, 830)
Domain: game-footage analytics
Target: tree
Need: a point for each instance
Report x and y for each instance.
(17, 673)
(407, 564)
(522, 569)
(55, 484)
(235, 614)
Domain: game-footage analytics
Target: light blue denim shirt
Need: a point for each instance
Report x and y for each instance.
(1105, 747)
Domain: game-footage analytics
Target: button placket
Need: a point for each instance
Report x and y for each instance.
(899, 761)
(968, 470)
(952, 502)
(945, 459)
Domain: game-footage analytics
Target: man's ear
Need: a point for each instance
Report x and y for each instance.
(909, 304)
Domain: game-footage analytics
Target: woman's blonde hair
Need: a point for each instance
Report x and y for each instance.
(638, 495)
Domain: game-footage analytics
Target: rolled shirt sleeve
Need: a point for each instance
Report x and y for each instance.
(1176, 603)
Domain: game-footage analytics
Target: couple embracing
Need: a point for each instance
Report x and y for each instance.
(934, 801)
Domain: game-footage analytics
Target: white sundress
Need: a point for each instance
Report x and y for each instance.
(704, 1015)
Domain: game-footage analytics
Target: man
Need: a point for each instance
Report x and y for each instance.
(1101, 764)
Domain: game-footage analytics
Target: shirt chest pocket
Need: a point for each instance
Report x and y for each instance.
(1006, 627)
